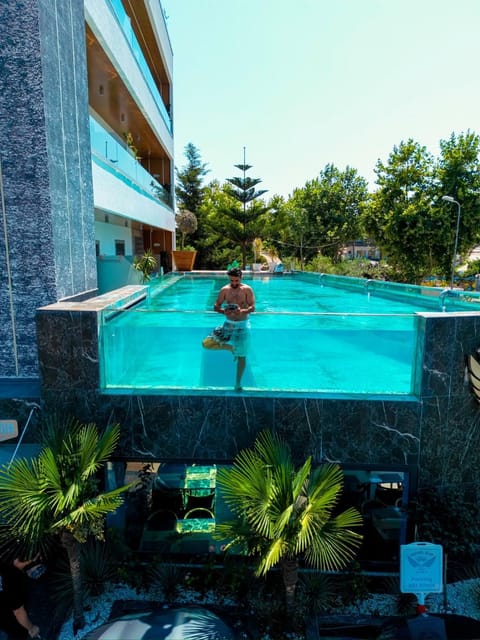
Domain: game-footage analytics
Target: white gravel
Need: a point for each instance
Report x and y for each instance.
(461, 599)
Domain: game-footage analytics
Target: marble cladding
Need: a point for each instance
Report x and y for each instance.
(47, 247)
(216, 428)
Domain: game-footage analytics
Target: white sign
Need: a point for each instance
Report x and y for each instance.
(421, 568)
(8, 429)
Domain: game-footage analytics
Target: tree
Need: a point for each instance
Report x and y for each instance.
(244, 220)
(407, 217)
(189, 191)
(323, 216)
(284, 514)
(186, 224)
(401, 217)
(458, 175)
(57, 494)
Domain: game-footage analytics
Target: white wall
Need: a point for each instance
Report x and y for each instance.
(106, 233)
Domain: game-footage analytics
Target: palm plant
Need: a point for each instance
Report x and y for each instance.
(145, 264)
(284, 514)
(57, 494)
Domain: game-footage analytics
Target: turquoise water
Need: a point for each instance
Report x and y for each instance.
(306, 340)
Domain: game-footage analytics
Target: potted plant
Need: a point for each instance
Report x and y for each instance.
(184, 257)
(145, 264)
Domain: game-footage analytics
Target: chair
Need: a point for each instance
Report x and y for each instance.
(199, 512)
(195, 501)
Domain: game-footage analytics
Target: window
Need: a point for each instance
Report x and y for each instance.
(119, 247)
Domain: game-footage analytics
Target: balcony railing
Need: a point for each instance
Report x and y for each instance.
(120, 158)
(124, 22)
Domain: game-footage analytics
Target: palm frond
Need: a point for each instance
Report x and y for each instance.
(272, 556)
(337, 542)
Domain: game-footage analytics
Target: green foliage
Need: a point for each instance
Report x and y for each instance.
(353, 587)
(164, 580)
(271, 617)
(317, 592)
(243, 220)
(406, 216)
(186, 222)
(284, 513)
(400, 217)
(448, 518)
(472, 269)
(190, 195)
(320, 264)
(97, 569)
(189, 191)
(128, 137)
(236, 577)
(322, 216)
(59, 489)
(145, 264)
(57, 493)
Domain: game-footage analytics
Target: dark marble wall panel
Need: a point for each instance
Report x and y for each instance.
(68, 351)
(219, 427)
(450, 453)
(448, 341)
(45, 166)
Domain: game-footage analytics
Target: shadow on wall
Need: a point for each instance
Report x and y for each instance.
(114, 272)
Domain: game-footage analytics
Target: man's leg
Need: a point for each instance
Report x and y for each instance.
(241, 363)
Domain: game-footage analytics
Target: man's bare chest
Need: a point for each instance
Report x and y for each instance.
(236, 296)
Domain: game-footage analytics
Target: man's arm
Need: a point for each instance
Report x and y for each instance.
(22, 618)
(218, 304)
(250, 301)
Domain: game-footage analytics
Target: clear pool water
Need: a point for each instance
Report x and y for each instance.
(307, 339)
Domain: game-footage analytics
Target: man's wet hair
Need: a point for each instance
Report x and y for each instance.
(236, 272)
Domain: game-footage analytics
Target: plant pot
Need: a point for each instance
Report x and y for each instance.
(183, 260)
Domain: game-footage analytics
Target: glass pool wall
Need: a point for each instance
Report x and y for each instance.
(155, 347)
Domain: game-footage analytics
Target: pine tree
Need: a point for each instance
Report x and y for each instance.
(248, 217)
(189, 191)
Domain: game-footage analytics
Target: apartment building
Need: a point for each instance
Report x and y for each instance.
(86, 158)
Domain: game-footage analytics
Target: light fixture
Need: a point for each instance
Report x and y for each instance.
(454, 258)
(101, 90)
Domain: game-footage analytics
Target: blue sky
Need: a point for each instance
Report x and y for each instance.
(304, 83)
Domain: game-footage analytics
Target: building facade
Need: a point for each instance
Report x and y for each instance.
(86, 162)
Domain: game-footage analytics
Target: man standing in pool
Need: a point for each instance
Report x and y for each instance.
(236, 301)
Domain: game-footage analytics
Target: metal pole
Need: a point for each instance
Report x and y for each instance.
(454, 259)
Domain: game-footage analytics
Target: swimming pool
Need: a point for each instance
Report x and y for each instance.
(311, 336)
